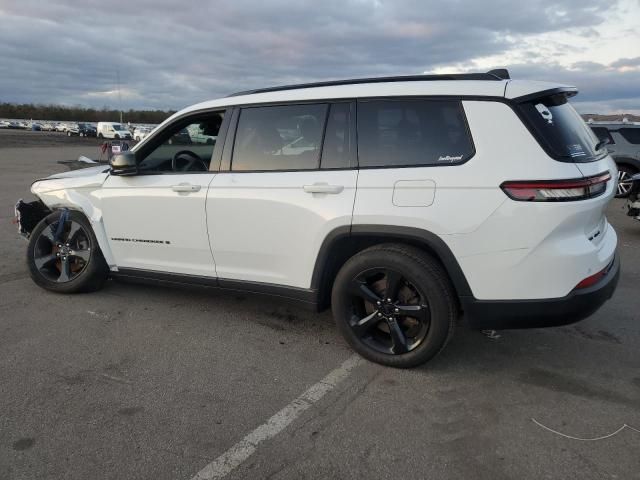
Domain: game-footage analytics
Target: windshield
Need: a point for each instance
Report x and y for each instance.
(562, 130)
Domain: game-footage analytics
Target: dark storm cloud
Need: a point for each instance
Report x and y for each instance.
(170, 54)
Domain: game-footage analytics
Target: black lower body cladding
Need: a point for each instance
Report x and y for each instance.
(512, 314)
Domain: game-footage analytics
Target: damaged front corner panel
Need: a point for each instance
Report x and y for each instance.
(28, 215)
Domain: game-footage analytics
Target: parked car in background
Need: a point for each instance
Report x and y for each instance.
(61, 127)
(82, 130)
(48, 127)
(290, 202)
(140, 133)
(113, 130)
(633, 200)
(36, 127)
(624, 146)
(4, 123)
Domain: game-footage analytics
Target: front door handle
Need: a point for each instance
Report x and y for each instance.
(185, 187)
(323, 188)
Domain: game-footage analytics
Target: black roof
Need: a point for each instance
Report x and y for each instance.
(494, 75)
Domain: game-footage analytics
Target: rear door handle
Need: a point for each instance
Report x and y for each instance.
(185, 187)
(323, 188)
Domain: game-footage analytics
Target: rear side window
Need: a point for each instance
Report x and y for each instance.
(603, 134)
(631, 135)
(279, 138)
(338, 151)
(561, 130)
(412, 133)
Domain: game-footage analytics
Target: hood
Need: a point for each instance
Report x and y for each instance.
(82, 172)
(92, 177)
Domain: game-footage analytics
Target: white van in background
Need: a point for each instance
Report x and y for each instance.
(112, 130)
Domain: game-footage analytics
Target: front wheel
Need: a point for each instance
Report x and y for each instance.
(394, 305)
(63, 254)
(625, 182)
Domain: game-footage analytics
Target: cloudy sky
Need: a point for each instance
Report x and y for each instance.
(170, 54)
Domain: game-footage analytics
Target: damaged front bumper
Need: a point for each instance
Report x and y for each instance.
(28, 215)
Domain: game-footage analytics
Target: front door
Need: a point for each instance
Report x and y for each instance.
(156, 220)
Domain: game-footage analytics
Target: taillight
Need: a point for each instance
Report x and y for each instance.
(595, 278)
(557, 190)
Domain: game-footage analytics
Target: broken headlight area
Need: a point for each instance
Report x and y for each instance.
(28, 215)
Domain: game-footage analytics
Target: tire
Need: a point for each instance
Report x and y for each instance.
(422, 291)
(117, 137)
(68, 133)
(100, 135)
(81, 134)
(137, 139)
(625, 172)
(86, 269)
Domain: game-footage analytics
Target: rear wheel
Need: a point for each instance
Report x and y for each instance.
(625, 183)
(63, 254)
(100, 135)
(394, 305)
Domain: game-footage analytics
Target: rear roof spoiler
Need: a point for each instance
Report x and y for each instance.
(567, 91)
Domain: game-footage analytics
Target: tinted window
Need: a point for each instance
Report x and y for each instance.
(279, 138)
(337, 151)
(561, 129)
(603, 134)
(412, 132)
(631, 135)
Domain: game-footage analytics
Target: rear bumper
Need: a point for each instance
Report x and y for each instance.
(510, 314)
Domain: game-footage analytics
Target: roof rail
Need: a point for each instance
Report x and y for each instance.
(499, 74)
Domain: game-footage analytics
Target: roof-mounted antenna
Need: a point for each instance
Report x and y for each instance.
(501, 73)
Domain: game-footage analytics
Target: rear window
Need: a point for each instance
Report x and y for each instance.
(561, 130)
(412, 133)
(631, 135)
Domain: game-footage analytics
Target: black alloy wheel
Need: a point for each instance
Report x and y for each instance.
(389, 315)
(394, 304)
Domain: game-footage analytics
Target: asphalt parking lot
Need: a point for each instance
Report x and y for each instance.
(139, 382)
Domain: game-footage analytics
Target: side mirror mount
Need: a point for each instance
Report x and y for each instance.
(123, 164)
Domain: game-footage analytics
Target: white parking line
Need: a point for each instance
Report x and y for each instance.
(232, 458)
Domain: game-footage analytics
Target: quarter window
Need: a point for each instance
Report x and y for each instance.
(631, 135)
(412, 133)
(279, 138)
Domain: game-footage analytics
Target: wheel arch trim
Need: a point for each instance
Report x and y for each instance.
(420, 237)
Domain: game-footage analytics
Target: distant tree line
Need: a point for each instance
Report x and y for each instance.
(28, 111)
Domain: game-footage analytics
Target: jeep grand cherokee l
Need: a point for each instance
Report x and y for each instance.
(399, 202)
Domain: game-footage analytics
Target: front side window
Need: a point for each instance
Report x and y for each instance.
(558, 126)
(631, 135)
(603, 134)
(412, 133)
(279, 138)
(186, 146)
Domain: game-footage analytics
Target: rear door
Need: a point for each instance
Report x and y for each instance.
(288, 179)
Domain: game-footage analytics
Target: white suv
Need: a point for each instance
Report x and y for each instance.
(400, 202)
